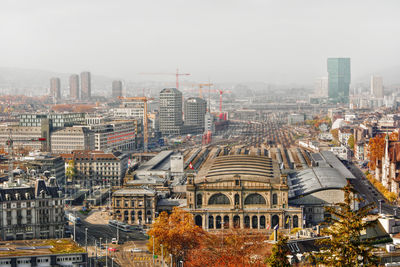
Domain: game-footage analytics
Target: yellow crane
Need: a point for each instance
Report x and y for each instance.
(145, 130)
(201, 85)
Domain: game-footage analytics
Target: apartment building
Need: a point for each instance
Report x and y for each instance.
(171, 112)
(97, 167)
(115, 135)
(72, 138)
(29, 212)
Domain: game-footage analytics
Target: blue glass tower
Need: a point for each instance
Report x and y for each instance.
(339, 79)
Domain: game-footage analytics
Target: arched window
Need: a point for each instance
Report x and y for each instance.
(226, 222)
(262, 222)
(198, 220)
(210, 222)
(219, 199)
(295, 221)
(246, 222)
(254, 199)
(275, 221)
(199, 200)
(218, 222)
(236, 221)
(274, 199)
(254, 222)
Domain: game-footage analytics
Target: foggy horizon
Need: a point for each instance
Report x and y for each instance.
(226, 41)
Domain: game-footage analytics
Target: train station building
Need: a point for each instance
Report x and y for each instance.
(241, 191)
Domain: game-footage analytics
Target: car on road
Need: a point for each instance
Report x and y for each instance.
(114, 241)
(136, 250)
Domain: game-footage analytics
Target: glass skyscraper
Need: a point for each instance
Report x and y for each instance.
(339, 79)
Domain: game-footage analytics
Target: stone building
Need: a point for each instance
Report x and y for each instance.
(134, 205)
(29, 212)
(241, 191)
(97, 167)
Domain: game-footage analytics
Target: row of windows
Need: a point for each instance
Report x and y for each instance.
(221, 199)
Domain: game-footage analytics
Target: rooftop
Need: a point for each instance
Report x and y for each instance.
(38, 247)
(133, 191)
(246, 166)
(314, 179)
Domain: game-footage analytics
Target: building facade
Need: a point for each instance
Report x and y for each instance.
(74, 86)
(72, 138)
(170, 111)
(29, 212)
(134, 205)
(115, 135)
(241, 191)
(377, 87)
(97, 167)
(195, 110)
(339, 79)
(86, 85)
(116, 89)
(55, 87)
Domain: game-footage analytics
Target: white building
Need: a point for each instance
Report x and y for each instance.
(377, 87)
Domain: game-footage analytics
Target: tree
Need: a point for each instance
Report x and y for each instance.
(279, 254)
(335, 134)
(177, 233)
(71, 171)
(376, 148)
(345, 247)
(232, 247)
(350, 141)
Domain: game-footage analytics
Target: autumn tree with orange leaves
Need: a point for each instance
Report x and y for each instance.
(177, 233)
(376, 147)
(233, 247)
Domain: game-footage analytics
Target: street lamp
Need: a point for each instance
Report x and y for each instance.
(171, 259)
(154, 260)
(86, 238)
(112, 262)
(181, 263)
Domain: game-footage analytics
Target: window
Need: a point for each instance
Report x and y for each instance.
(274, 199)
(254, 199)
(219, 199)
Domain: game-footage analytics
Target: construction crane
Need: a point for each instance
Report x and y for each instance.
(221, 92)
(145, 130)
(201, 85)
(177, 74)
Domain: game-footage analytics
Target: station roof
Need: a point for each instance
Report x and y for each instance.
(248, 167)
(314, 179)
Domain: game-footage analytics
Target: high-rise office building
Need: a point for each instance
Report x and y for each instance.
(339, 79)
(55, 87)
(74, 86)
(195, 109)
(321, 87)
(116, 89)
(170, 111)
(377, 86)
(86, 87)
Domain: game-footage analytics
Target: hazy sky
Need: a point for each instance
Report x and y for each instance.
(226, 40)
